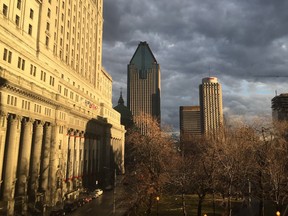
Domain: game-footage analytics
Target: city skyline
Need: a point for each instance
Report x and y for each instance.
(196, 39)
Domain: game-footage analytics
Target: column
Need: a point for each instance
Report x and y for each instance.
(35, 159)
(3, 130)
(86, 160)
(54, 164)
(71, 158)
(65, 159)
(24, 157)
(81, 157)
(11, 158)
(76, 160)
(45, 158)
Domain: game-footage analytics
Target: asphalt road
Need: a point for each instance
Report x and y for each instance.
(102, 206)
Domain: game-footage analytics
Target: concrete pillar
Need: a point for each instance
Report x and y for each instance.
(54, 163)
(24, 157)
(76, 159)
(65, 159)
(12, 149)
(71, 158)
(45, 158)
(35, 159)
(3, 130)
(81, 157)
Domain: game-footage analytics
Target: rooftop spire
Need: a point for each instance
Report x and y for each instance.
(121, 101)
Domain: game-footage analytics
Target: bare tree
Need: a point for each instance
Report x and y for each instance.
(150, 158)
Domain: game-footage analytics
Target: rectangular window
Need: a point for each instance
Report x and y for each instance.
(49, 13)
(31, 13)
(47, 41)
(9, 57)
(5, 54)
(5, 10)
(19, 4)
(43, 76)
(23, 64)
(19, 62)
(17, 20)
(32, 70)
(59, 88)
(51, 81)
(47, 26)
(30, 29)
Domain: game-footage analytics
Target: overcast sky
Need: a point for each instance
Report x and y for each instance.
(244, 43)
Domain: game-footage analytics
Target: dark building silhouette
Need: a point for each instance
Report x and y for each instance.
(126, 115)
(280, 107)
(143, 84)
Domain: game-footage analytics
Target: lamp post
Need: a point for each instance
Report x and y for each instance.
(157, 203)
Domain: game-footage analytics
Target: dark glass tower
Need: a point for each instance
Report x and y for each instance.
(143, 84)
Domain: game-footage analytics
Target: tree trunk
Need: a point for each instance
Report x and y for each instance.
(149, 207)
(200, 201)
(214, 207)
(184, 205)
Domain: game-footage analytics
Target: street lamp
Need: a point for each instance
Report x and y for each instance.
(157, 202)
(278, 213)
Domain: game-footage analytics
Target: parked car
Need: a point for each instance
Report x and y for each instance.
(98, 192)
(88, 199)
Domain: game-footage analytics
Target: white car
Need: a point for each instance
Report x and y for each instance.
(98, 192)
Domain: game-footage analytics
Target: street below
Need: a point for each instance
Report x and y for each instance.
(104, 205)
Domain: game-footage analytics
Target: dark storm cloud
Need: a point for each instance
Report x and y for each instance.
(243, 43)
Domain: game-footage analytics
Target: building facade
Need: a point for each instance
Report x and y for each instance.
(280, 107)
(58, 130)
(210, 96)
(190, 125)
(143, 84)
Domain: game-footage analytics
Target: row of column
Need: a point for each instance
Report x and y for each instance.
(38, 160)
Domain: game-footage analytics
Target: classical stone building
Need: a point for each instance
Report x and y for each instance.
(58, 130)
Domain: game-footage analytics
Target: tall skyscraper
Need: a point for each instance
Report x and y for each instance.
(190, 125)
(210, 96)
(143, 84)
(58, 129)
(280, 107)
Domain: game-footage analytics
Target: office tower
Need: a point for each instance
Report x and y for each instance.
(210, 93)
(143, 84)
(189, 122)
(280, 107)
(190, 125)
(58, 129)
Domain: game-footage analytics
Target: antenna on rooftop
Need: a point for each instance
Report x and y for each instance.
(276, 92)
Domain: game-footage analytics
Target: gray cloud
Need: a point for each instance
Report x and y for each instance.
(243, 43)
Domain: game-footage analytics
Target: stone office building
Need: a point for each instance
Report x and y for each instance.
(58, 130)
